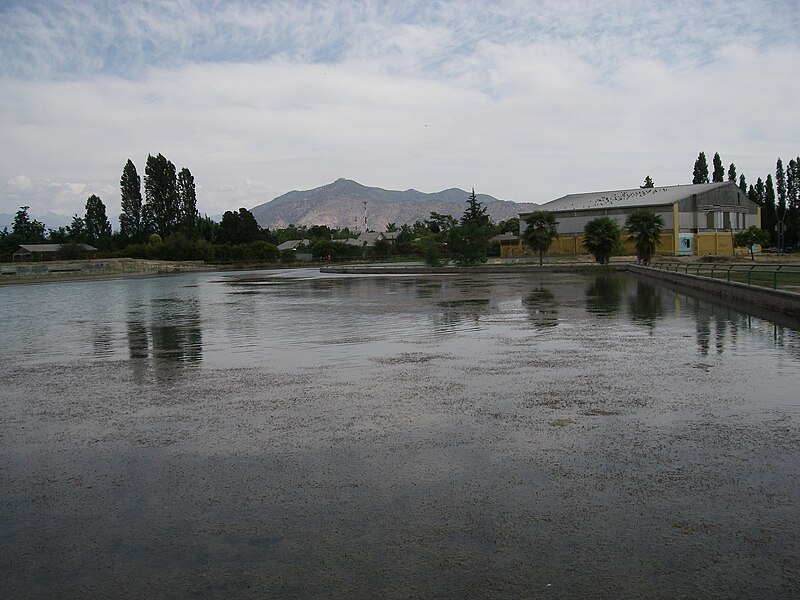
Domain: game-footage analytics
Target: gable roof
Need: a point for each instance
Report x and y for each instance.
(629, 198)
(292, 244)
(51, 247)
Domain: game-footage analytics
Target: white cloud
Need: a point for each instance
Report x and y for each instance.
(523, 101)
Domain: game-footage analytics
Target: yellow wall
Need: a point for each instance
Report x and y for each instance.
(573, 244)
(511, 249)
(713, 243)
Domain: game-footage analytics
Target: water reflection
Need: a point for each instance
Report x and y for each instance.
(164, 336)
(604, 295)
(542, 308)
(645, 305)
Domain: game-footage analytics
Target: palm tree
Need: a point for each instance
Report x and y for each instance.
(600, 237)
(541, 230)
(644, 227)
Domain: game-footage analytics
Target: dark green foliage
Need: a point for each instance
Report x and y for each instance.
(648, 183)
(77, 230)
(131, 224)
(468, 243)
(732, 173)
(700, 174)
(743, 183)
(719, 171)
(187, 199)
(95, 220)
(769, 215)
(238, 227)
(644, 227)
(601, 236)
(749, 237)
(438, 223)
(161, 192)
(541, 228)
(475, 212)
(207, 228)
(508, 226)
(334, 250)
(26, 231)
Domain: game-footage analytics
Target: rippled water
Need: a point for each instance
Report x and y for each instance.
(293, 434)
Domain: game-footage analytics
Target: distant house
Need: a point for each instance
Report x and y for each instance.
(698, 219)
(510, 245)
(368, 239)
(29, 252)
(301, 249)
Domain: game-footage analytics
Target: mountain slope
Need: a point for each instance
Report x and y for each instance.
(341, 204)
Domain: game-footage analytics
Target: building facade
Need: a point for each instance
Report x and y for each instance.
(698, 219)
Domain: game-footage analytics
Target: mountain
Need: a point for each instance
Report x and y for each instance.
(341, 204)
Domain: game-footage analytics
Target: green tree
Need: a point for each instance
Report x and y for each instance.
(437, 223)
(468, 243)
(748, 238)
(644, 227)
(700, 169)
(601, 235)
(77, 230)
(743, 183)
(238, 227)
(648, 183)
(732, 173)
(96, 221)
(541, 228)
(769, 216)
(187, 200)
(475, 212)
(25, 230)
(719, 171)
(131, 224)
(161, 192)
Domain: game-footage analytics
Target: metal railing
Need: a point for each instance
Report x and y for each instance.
(776, 276)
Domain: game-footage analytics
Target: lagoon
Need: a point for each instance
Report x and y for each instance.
(294, 434)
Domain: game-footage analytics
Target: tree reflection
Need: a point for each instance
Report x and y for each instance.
(646, 306)
(169, 340)
(604, 295)
(542, 308)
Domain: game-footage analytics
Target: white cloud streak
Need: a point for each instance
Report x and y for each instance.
(525, 101)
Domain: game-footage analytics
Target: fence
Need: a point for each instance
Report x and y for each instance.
(776, 276)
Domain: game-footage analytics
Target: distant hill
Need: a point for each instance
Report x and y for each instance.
(51, 220)
(341, 204)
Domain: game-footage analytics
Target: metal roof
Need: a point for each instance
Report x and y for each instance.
(293, 244)
(629, 198)
(52, 247)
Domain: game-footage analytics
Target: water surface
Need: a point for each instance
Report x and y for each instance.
(292, 434)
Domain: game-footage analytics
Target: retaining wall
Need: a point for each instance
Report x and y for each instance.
(785, 302)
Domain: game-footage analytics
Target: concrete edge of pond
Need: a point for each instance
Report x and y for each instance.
(494, 269)
(780, 300)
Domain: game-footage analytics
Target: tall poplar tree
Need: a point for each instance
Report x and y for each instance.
(719, 171)
(131, 223)
(187, 197)
(161, 193)
(769, 215)
(732, 173)
(95, 220)
(700, 169)
(742, 183)
(780, 183)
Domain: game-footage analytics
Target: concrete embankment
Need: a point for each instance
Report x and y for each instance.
(779, 300)
(92, 269)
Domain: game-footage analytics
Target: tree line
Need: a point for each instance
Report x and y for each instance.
(779, 198)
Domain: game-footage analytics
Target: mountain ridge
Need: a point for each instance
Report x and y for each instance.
(341, 204)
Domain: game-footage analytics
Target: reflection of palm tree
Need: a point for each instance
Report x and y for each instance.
(646, 305)
(542, 308)
(605, 295)
(644, 227)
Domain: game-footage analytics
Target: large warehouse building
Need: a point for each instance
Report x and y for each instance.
(698, 219)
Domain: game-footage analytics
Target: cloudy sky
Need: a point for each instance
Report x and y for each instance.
(525, 100)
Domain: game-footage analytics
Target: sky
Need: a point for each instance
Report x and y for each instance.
(523, 100)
